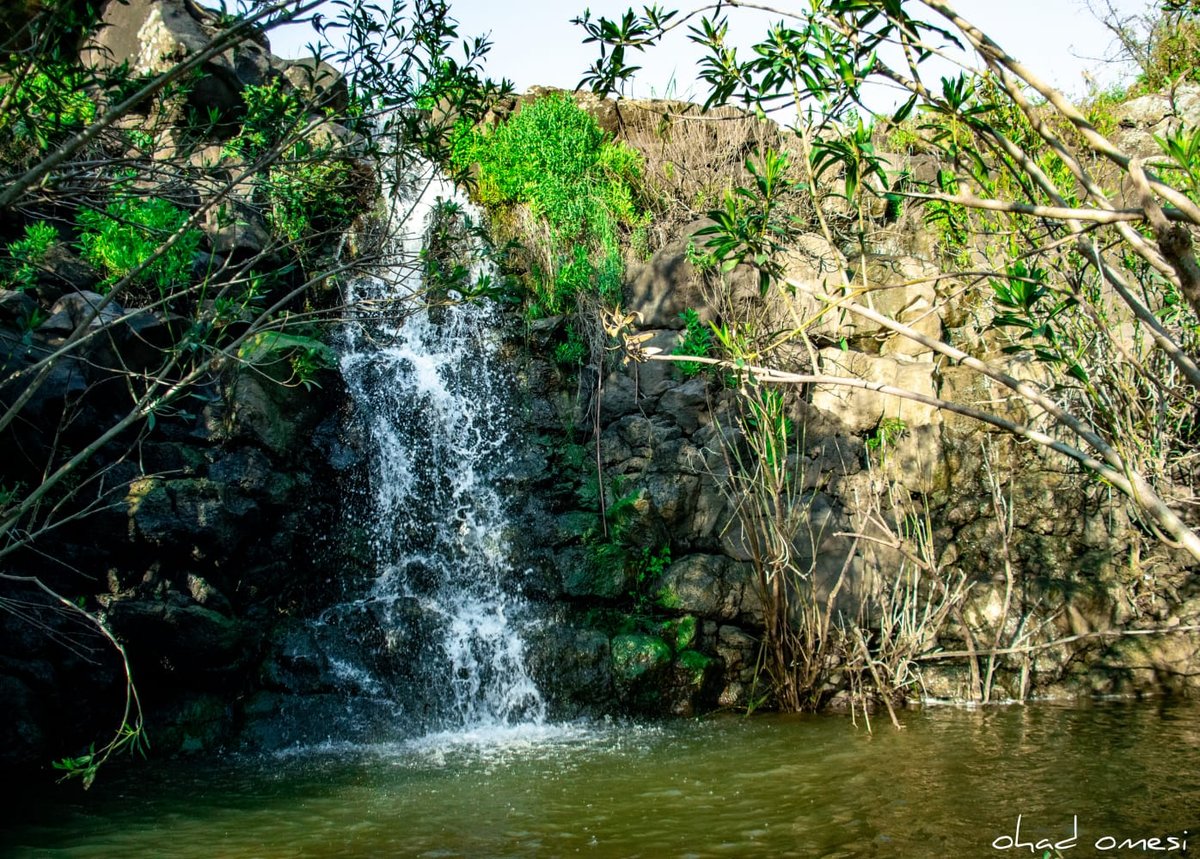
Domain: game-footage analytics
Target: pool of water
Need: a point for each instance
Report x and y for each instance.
(951, 784)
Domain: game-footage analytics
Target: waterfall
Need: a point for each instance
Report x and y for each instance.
(435, 406)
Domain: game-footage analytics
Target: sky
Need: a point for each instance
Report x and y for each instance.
(535, 43)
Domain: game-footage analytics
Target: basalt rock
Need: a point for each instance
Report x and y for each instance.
(193, 531)
(860, 462)
(153, 35)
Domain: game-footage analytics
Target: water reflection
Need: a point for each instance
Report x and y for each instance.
(950, 784)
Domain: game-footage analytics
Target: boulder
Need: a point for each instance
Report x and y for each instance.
(669, 283)
(296, 663)
(236, 230)
(316, 81)
(66, 382)
(588, 575)
(1140, 119)
(644, 434)
(248, 472)
(144, 338)
(739, 651)
(61, 270)
(861, 410)
(697, 585)
(192, 512)
(206, 595)
(619, 396)
(154, 35)
(76, 308)
(16, 306)
(638, 658)
(713, 587)
(572, 663)
(22, 737)
(687, 404)
(278, 417)
(612, 450)
(655, 377)
(673, 497)
(901, 288)
(808, 261)
(189, 638)
(693, 683)
(194, 724)
(958, 384)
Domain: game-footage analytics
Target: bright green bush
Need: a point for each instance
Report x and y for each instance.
(308, 201)
(270, 112)
(541, 156)
(697, 340)
(572, 352)
(127, 234)
(552, 156)
(25, 255)
(308, 194)
(45, 103)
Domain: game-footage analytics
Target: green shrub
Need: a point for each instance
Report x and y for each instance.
(308, 193)
(270, 113)
(128, 232)
(886, 435)
(697, 341)
(25, 255)
(541, 156)
(703, 261)
(45, 103)
(572, 352)
(1100, 108)
(309, 200)
(302, 353)
(647, 567)
(454, 248)
(552, 156)
(1173, 52)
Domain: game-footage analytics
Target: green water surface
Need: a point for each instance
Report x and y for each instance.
(951, 784)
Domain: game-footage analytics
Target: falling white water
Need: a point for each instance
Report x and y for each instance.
(429, 390)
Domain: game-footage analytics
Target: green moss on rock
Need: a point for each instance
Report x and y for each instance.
(636, 655)
(695, 663)
(680, 632)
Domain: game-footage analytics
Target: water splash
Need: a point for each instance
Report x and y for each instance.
(430, 391)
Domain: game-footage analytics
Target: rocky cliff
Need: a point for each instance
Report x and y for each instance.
(191, 454)
(1002, 545)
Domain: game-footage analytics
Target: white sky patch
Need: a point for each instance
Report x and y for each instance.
(534, 42)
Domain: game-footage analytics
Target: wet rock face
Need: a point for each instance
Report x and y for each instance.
(632, 636)
(204, 527)
(191, 565)
(222, 518)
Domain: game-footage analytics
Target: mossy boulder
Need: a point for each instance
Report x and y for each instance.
(651, 679)
(638, 656)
